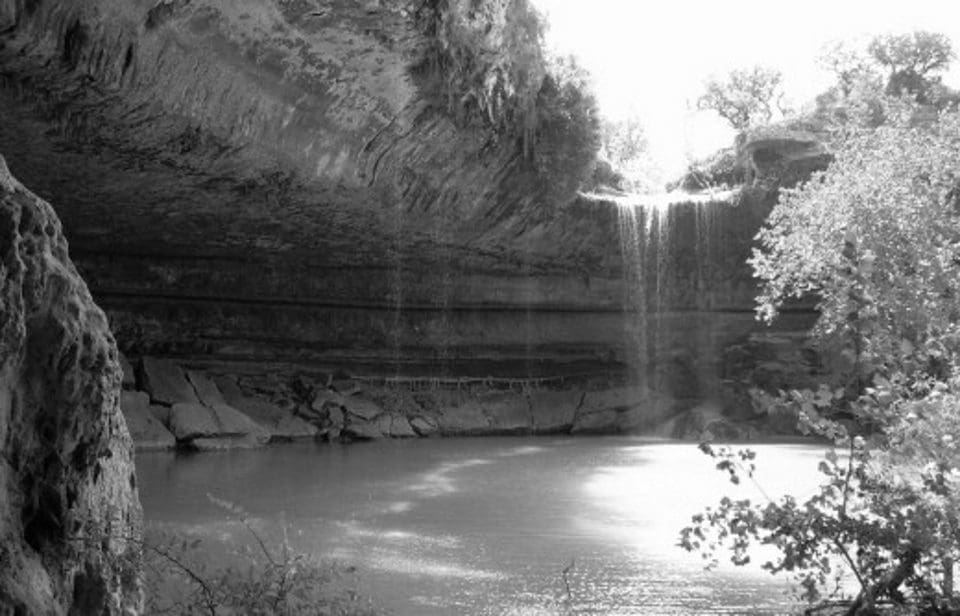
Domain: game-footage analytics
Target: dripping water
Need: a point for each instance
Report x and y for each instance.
(396, 288)
(655, 280)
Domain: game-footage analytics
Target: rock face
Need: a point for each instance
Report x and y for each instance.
(292, 183)
(147, 430)
(783, 155)
(69, 513)
(253, 180)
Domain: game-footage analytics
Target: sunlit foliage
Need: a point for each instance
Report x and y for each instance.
(910, 59)
(487, 64)
(876, 238)
(746, 97)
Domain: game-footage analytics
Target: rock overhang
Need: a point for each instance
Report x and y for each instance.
(244, 178)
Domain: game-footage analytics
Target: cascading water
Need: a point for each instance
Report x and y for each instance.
(668, 244)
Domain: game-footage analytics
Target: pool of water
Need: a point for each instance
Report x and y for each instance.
(487, 525)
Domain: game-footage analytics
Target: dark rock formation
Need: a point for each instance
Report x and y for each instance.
(275, 188)
(69, 514)
(257, 180)
(782, 155)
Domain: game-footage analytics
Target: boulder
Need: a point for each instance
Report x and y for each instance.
(228, 388)
(336, 417)
(129, 376)
(361, 407)
(347, 387)
(148, 432)
(206, 390)
(363, 430)
(67, 466)
(424, 426)
(282, 425)
(324, 399)
(395, 426)
(554, 411)
(166, 383)
(508, 412)
(189, 422)
(463, 419)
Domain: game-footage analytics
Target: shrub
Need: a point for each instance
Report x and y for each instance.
(745, 98)
(487, 63)
(877, 238)
(264, 580)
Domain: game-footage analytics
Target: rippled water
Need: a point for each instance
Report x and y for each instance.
(486, 526)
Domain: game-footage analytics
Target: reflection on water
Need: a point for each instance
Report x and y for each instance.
(487, 526)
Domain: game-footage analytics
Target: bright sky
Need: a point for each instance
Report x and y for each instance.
(650, 59)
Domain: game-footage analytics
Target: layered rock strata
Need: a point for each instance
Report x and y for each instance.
(293, 184)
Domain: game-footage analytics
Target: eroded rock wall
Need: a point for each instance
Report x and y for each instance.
(243, 177)
(69, 514)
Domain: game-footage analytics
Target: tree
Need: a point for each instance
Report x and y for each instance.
(852, 67)
(910, 59)
(876, 237)
(567, 130)
(623, 143)
(746, 97)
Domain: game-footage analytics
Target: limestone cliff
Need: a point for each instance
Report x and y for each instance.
(256, 178)
(384, 187)
(69, 513)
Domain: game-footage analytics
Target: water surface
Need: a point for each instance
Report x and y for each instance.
(486, 526)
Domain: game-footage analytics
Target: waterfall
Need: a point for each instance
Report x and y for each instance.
(669, 244)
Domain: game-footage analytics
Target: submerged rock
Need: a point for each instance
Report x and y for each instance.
(70, 518)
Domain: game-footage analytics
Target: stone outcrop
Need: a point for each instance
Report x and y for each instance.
(70, 519)
(782, 155)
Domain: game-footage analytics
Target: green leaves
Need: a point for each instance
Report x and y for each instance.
(747, 97)
(877, 238)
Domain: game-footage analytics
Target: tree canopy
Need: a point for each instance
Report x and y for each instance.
(876, 237)
(746, 97)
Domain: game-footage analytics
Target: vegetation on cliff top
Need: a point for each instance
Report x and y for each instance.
(487, 62)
